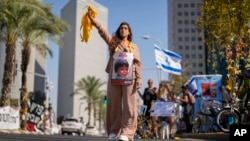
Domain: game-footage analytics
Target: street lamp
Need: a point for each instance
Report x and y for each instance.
(80, 105)
(49, 86)
(146, 37)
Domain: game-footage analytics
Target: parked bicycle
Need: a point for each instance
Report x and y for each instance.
(206, 116)
(237, 111)
(144, 124)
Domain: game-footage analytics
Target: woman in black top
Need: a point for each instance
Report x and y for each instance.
(149, 95)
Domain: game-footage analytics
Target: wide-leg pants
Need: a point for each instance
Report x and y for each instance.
(121, 110)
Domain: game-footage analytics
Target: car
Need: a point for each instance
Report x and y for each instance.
(92, 131)
(55, 129)
(71, 125)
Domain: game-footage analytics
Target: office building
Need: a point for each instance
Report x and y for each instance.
(184, 38)
(78, 59)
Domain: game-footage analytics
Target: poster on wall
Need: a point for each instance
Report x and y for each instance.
(209, 89)
(9, 118)
(122, 72)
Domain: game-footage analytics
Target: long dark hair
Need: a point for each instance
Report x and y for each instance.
(117, 32)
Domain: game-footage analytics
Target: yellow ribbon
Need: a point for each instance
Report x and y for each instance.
(86, 25)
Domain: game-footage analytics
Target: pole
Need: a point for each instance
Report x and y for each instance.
(160, 44)
(47, 92)
(80, 107)
(48, 86)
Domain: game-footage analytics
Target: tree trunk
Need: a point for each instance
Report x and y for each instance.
(8, 74)
(24, 96)
(89, 112)
(94, 108)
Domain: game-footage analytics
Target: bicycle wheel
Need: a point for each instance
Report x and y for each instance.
(225, 118)
(196, 125)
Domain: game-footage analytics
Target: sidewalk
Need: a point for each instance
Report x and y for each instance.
(19, 131)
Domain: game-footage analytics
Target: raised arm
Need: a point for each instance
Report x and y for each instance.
(102, 31)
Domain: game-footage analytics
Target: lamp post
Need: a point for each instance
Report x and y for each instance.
(80, 107)
(146, 37)
(48, 86)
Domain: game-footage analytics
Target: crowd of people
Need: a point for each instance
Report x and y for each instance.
(180, 121)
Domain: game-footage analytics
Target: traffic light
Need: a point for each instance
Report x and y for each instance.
(104, 99)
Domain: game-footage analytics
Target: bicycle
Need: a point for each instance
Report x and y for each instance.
(144, 124)
(206, 116)
(236, 112)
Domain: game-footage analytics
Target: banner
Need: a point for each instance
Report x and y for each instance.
(9, 118)
(163, 108)
(35, 112)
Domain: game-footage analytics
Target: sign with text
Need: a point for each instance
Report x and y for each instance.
(239, 132)
(162, 108)
(35, 112)
(9, 118)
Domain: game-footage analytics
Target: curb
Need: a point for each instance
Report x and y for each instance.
(19, 131)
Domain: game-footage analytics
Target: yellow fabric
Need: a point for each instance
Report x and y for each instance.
(129, 45)
(86, 25)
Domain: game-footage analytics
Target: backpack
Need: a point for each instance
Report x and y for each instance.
(191, 98)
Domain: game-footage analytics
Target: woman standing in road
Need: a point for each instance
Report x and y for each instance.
(121, 105)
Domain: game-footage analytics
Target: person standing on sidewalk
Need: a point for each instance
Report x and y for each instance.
(187, 108)
(121, 98)
(148, 97)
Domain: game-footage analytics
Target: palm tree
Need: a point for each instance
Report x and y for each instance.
(97, 98)
(35, 33)
(102, 115)
(92, 93)
(10, 16)
(31, 22)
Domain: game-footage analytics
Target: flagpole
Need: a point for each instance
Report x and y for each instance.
(146, 37)
(157, 70)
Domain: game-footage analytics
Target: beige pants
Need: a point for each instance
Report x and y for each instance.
(121, 110)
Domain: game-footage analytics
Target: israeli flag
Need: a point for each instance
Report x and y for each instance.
(167, 60)
(192, 86)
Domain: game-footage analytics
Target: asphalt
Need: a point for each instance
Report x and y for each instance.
(207, 136)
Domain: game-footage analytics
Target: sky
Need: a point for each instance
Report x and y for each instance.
(146, 17)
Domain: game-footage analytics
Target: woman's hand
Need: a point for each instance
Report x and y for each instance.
(138, 84)
(90, 15)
